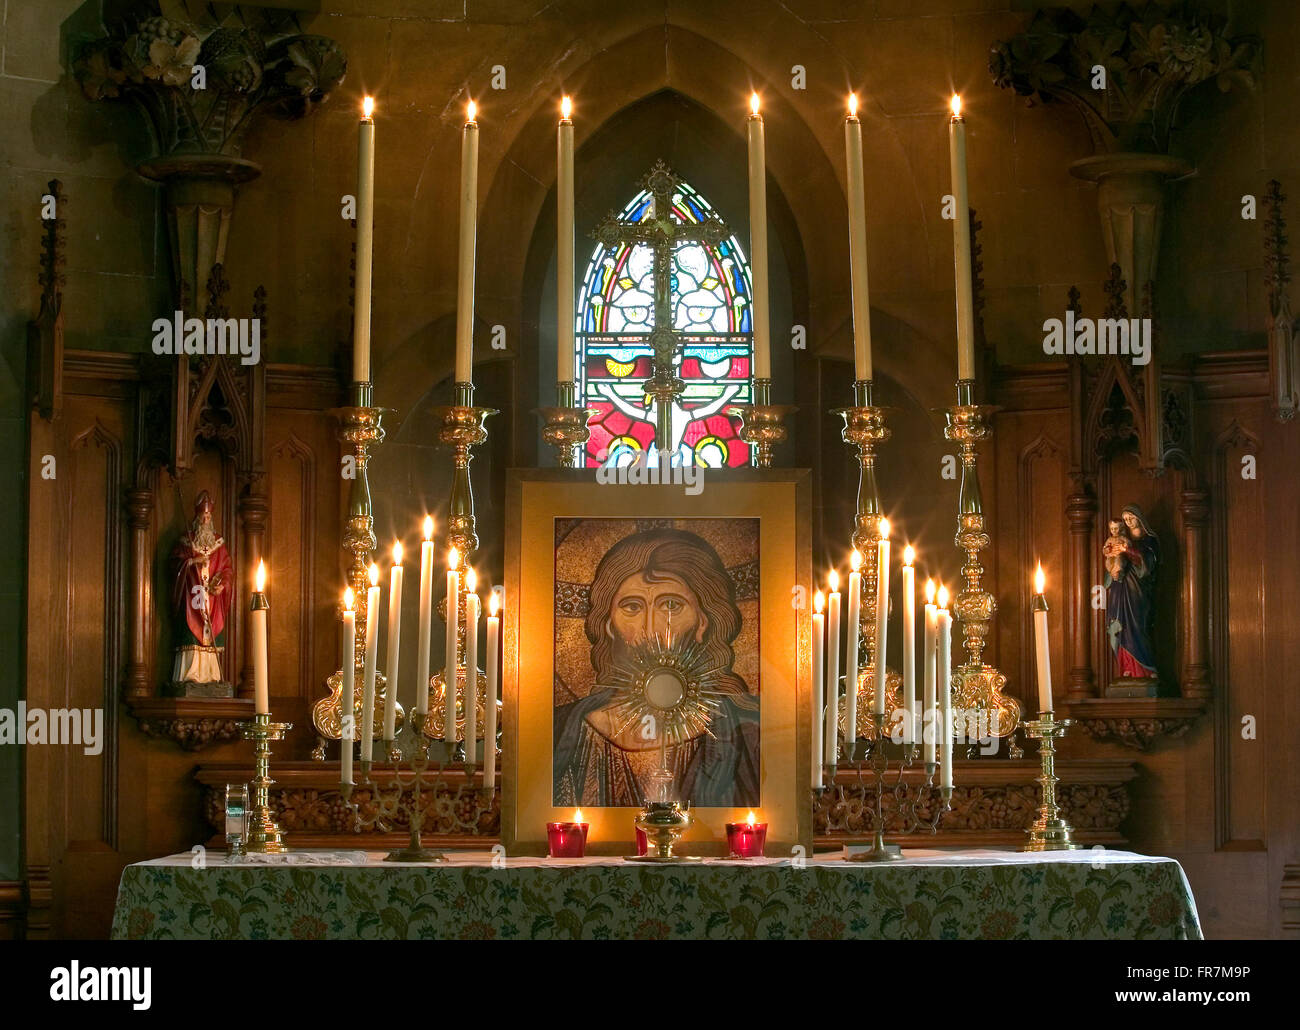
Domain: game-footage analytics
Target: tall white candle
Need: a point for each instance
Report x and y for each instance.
(394, 641)
(818, 675)
(365, 243)
(833, 668)
(909, 645)
(258, 616)
(425, 629)
(882, 612)
(471, 667)
(564, 306)
(929, 656)
(961, 242)
(453, 627)
(944, 663)
(465, 265)
(347, 693)
(758, 240)
(368, 673)
(858, 242)
(851, 650)
(493, 675)
(1043, 658)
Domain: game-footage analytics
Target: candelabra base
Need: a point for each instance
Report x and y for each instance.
(1052, 835)
(879, 852)
(415, 854)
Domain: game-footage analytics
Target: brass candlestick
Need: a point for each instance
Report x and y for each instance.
(461, 429)
(977, 687)
(1049, 832)
(264, 836)
(564, 426)
(910, 801)
(762, 424)
(360, 428)
(864, 429)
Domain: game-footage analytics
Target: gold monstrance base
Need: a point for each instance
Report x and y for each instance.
(1049, 832)
(264, 836)
(663, 822)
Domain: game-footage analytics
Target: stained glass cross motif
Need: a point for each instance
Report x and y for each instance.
(664, 330)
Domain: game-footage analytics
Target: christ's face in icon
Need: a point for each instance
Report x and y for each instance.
(662, 607)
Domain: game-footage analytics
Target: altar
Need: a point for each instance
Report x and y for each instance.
(930, 894)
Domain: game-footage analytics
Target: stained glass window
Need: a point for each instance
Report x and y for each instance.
(711, 299)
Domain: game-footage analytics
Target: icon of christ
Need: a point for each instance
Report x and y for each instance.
(668, 716)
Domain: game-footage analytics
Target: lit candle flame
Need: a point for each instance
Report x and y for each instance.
(853, 105)
(884, 528)
(750, 820)
(453, 558)
(471, 580)
(929, 591)
(471, 110)
(855, 560)
(494, 602)
(577, 815)
(819, 602)
(566, 108)
(397, 552)
(261, 576)
(753, 104)
(368, 107)
(428, 527)
(909, 554)
(943, 596)
(374, 574)
(348, 599)
(1040, 581)
(834, 579)
(956, 105)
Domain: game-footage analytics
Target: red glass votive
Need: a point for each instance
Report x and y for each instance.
(746, 840)
(567, 840)
(642, 842)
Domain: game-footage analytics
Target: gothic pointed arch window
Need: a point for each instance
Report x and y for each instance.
(711, 304)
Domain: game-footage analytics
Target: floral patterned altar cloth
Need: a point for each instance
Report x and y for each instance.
(966, 894)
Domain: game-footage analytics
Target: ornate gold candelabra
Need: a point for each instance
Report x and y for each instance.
(263, 836)
(461, 429)
(977, 687)
(389, 808)
(1049, 832)
(864, 429)
(564, 426)
(663, 822)
(762, 424)
(360, 428)
(911, 802)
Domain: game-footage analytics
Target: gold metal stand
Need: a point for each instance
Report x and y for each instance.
(864, 429)
(388, 803)
(1049, 832)
(360, 428)
(977, 687)
(461, 429)
(564, 426)
(663, 822)
(264, 836)
(911, 802)
(762, 424)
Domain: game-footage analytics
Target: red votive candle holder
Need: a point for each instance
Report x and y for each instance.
(567, 840)
(642, 842)
(746, 840)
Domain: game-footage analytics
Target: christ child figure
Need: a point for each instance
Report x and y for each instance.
(1114, 549)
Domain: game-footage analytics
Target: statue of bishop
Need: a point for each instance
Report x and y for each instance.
(201, 603)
